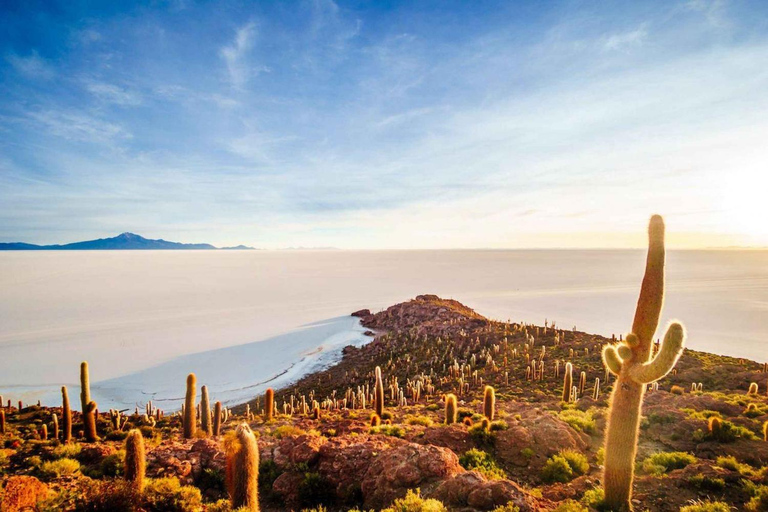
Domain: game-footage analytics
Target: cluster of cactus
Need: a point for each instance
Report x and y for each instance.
(630, 362)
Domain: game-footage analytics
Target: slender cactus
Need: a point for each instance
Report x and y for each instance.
(451, 409)
(89, 422)
(568, 382)
(243, 470)
(55, 421)
(205, 412)
(489, 403)
(85, 386)
(2, 422)
(630, 362)
(217, 419)
(135, 460)
(752, 389)
(378, 397)
(269, 404)
(66, 416)
(190, 422)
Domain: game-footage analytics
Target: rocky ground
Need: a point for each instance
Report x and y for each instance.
(539, 453)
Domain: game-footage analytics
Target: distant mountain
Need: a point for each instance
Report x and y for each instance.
(125, 241)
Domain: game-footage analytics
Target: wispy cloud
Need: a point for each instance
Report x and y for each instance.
(31, 66)
(111, 93)
(239, 69)
(626, 40)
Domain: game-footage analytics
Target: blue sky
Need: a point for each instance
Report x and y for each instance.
(385, 124)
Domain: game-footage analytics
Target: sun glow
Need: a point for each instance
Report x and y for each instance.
(745, 205)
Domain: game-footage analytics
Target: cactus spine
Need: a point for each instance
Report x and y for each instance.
(89, 422)
(243, 470)
(85, 386)
(269, 404)
(190, 423)
(135, 460)
(630, 362)
(451, 409)
(217, 419)
(489, 403)
(205, 411)
(66, 416)
(378, 397)
(568, 382)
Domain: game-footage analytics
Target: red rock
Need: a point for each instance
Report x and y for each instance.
(405, 467)
(22, 493)
(473, 490)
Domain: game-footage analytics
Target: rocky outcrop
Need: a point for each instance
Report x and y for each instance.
(22, 493)
(426, 314)
(473, 490)
(407, 467)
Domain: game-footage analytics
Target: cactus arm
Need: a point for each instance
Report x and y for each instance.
(652, 290)
(611, 359)
(665, 360)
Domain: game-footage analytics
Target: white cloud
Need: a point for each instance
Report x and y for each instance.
(625, 40)
(78, 126)
(31, 66)
(111, 93)
(235, 56)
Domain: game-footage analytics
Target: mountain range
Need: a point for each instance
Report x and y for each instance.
(125, 241)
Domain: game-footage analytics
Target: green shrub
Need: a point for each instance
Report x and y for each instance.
(509, 507)
(564, 466)
(579, 420)
(413, 502)
(731, 463)
(481, 462)
(594, 498)
(577, 461)
(727, 433)
(314, 490)
(388, 430)
(93, 496)
(287, 431)
(759, 501)
(71, 450)
(707, 483)
(268, 473)
(168, 495)
(424, 421)
(60, 467)
(663, 462)
(570, 506)
(557, 469)
(706, 506)
(481, 436)
(112, 465)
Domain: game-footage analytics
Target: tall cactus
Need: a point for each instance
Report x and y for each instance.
(217, 419)
(205, 411)
(378, 397)
(243, 470)
(135, 460)
(269, 404)
(489, 403)
(451, 409)
(568, 382)
(66, 416)
(89, 422)
(630, 362)
(85, 386)
(190, 421)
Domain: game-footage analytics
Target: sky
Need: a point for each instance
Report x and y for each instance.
(376, 125)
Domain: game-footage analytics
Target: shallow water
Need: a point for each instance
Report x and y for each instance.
(137, 316)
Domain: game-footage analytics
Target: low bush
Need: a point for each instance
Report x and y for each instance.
(482, 462)
(663, 462)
